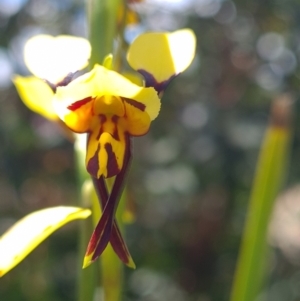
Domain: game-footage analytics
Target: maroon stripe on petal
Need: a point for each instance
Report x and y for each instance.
(115, 133)
(101, 235)
(119, 245)
(135, 103)
(77, 104)
(93, 164)
(112, 164)
(102, 118)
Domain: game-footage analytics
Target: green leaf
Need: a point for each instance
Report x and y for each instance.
(270, 175)
(26, 234)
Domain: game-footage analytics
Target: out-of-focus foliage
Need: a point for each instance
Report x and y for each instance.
(191, 177)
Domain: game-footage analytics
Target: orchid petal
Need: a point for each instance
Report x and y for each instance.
(105, 155)
(161, 56)
(102, 232)
(79, 118)
(99, 82)
(36, 95)
(138, 121)
(53, 58)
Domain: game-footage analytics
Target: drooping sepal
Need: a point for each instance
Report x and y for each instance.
(101, 234)
(116, 240)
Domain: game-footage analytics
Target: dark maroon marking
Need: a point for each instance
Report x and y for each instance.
(79, 103)
(135, 103)
(151, 81)
(93, 164)
(102, 119)
(115, 133)
(66, 80)
(115, 119)
(112, 203)
(92, 243)
(52, 86)
(62, 83)
(101, 234)
(116, 239)
(112, 164)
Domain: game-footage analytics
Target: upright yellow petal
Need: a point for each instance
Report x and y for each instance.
(36, 95)
(162, 55)
(53, 58)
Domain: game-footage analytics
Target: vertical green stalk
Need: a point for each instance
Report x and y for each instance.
(103, 26)
(270, 174)
(86, 278)
(103, 22)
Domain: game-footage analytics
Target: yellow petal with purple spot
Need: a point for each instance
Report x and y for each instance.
(162, 55)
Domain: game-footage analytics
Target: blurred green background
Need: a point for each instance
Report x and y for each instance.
(192, 173)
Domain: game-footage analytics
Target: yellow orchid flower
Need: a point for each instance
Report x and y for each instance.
(111, 109)
(52, 61)
(108, 106)
(160, 56)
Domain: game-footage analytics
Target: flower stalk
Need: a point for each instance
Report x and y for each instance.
(102, 22)
(86, 280)
(102, 19)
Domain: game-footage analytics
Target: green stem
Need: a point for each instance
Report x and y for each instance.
(86, 277)
(270, 174)
(103, 24)
(112, 269)
(102, 18)
(117, 63)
